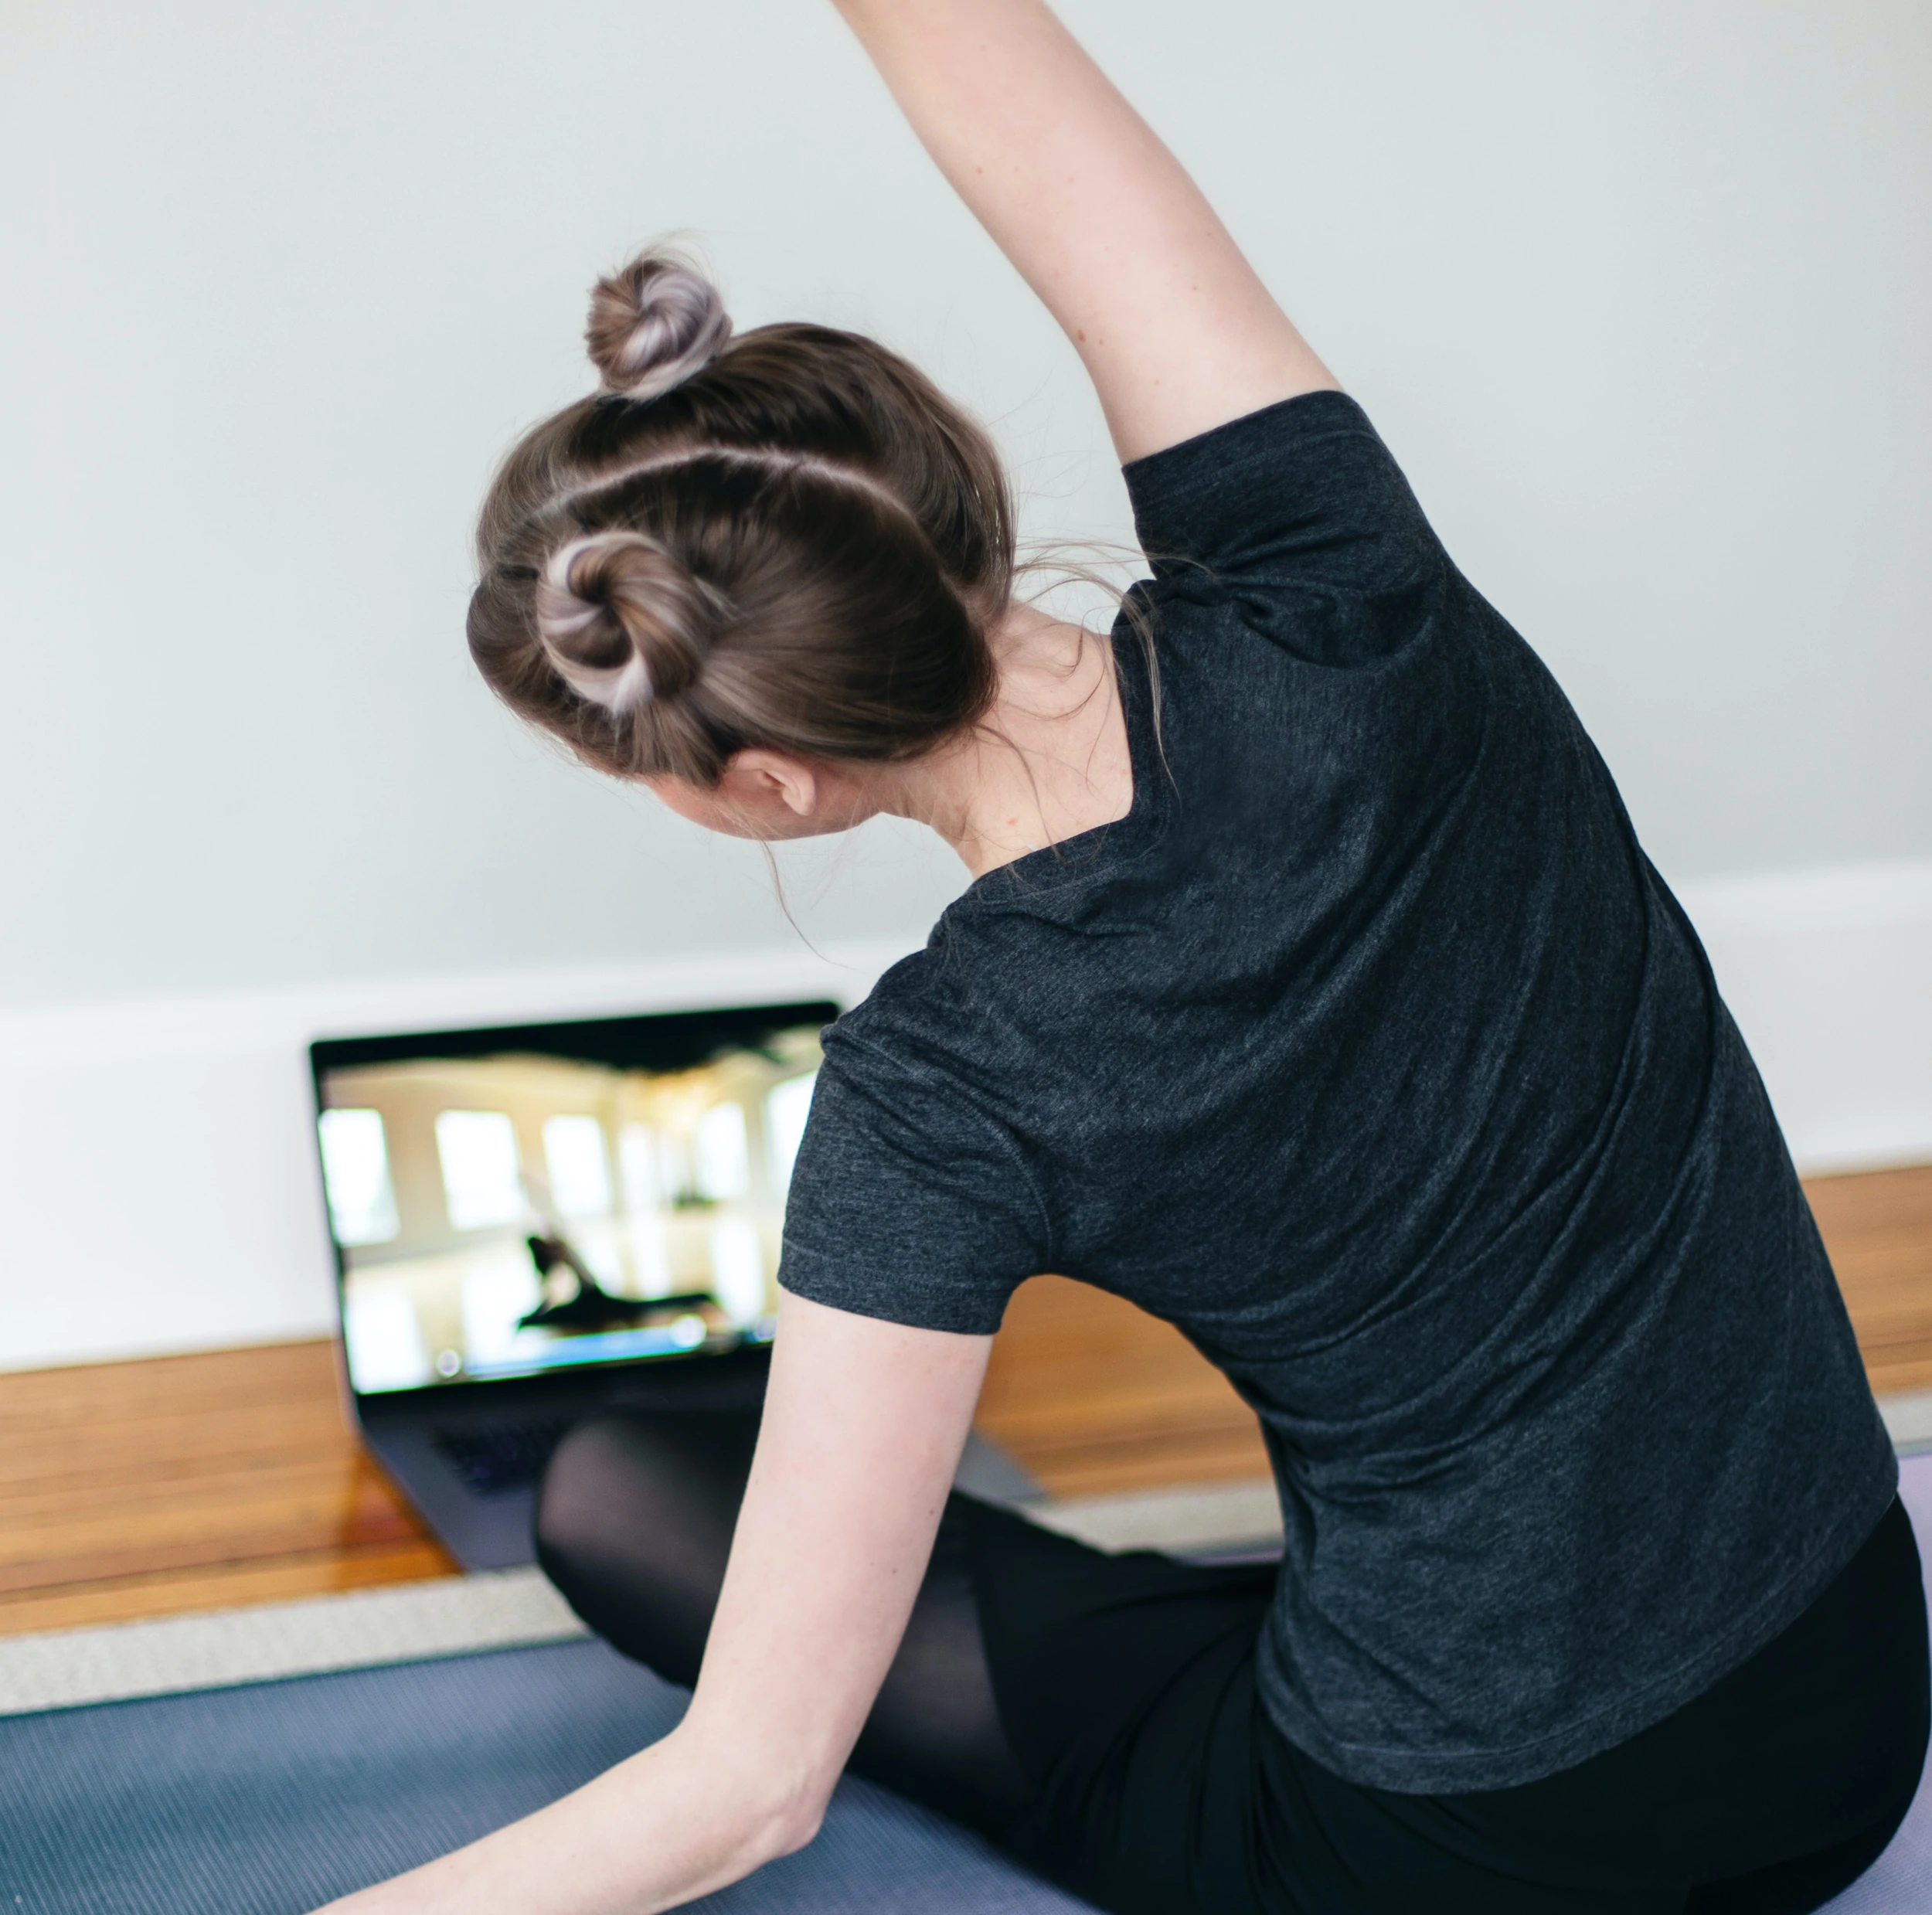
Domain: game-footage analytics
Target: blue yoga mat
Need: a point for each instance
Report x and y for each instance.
(272, 1798)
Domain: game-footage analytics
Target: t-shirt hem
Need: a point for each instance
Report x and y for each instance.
(918, 1304)
(1412, 1772)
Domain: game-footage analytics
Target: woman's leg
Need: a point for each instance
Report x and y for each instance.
(1098, 1714)
(1121, 1680)
(633, 1526)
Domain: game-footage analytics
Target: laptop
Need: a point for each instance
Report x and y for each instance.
(535, 1222)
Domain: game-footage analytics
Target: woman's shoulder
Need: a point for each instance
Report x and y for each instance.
(970, 1017)
(924, 1016)
(1301, 501)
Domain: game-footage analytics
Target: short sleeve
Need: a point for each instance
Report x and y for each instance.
(1298, 515)
(908, 1201)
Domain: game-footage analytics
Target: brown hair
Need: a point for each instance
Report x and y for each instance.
(790, 539)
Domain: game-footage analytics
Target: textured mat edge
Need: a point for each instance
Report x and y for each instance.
(364, 1628)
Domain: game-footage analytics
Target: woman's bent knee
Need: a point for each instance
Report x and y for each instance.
(633, 1523)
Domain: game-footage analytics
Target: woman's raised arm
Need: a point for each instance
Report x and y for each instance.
(1177, 332)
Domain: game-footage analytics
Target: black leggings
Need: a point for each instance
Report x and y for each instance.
(1097, 1716)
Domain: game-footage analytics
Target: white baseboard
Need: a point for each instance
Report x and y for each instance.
(157, 1187)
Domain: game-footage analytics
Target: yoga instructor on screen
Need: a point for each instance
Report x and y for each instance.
(1313, 992)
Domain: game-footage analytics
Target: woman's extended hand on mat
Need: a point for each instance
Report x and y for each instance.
(863, 1427)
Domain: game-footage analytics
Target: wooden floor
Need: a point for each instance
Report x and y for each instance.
(1091, 1396)
(190, 1482)
(1879, 1230)
(201, 1482)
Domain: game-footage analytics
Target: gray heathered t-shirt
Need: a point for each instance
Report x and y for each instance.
(1369, 1051)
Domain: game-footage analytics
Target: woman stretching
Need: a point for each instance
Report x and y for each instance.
(1313, 993)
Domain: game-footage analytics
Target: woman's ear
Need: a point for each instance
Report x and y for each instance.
(758, 780)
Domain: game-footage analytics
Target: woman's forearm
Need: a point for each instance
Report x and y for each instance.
(1026, 129)
(673, 1822)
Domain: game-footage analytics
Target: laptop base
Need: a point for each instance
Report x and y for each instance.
(470, 1467)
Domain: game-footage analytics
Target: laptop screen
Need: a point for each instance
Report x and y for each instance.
(540, 1198)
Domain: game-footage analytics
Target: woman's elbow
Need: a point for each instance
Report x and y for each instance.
(764, 1796)
(781, 1806)
(785, 1821)
(789, 1830)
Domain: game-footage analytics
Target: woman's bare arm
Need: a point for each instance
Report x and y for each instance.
(862, 1431)
(1176, 333)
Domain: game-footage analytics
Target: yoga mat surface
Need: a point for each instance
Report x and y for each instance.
(271, 1799)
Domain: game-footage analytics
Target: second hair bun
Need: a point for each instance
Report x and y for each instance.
(653, 325)
(622, 620)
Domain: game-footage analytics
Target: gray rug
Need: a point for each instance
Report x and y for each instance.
(271, 1798)
(268, 1798)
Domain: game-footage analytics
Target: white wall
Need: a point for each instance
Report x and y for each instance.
(1638, 291)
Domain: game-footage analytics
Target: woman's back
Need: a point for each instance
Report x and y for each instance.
(1342, 1023)
(1369, 1050)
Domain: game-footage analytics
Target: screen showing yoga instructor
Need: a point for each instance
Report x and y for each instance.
(531, 1208)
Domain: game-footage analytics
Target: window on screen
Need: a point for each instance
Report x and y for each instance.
(637, 1169)
(385, 1341)
(482, 1184)
(722, 1163)
(579, 1168)
(786, 1106)
(737, 1267)
(362, 1198)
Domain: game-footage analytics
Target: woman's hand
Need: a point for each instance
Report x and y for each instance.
(1176, 333)
(862, 1431)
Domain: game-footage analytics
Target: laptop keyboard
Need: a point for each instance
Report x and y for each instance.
(494, 1458)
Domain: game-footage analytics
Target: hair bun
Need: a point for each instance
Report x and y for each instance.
(622, 621)
(655, 324)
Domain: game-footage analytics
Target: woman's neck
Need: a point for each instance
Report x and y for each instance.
(1049, 761)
